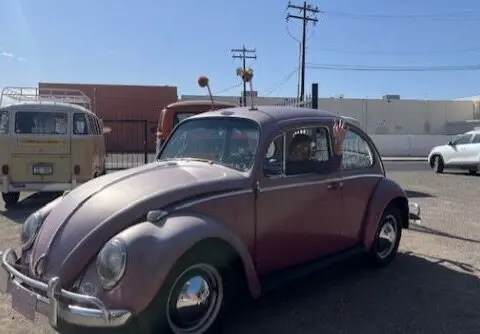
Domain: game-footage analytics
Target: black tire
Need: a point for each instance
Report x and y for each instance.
(438, 164)
(472, 171)
(383, 249)
(160, 316)
(11, 198)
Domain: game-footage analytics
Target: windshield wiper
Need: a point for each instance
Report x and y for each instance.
(189, 159)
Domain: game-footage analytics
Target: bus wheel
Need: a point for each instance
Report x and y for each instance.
(11, 198)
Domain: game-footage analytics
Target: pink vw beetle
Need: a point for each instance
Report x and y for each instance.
(233, 205)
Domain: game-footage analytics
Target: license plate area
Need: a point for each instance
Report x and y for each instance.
(24, 302)
(42, 169)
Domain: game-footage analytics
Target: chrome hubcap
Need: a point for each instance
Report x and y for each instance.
(195, 299)
(387, 237)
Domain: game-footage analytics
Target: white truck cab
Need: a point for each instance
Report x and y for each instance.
(463, 152)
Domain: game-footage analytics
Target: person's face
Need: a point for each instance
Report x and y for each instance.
(301, 151)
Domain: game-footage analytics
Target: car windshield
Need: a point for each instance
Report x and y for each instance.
(231, 142)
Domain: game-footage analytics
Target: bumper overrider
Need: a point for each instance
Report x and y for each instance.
(414, 211)
(30, 296)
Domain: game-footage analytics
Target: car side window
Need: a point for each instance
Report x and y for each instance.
(463, 139)
(298, 151)
(4, 122)
(96, 126)
(357, 153)
(476, 139)
(274, 159)
(79, 124)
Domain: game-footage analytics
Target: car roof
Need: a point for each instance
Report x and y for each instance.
(188, 103)
(268, 115)
(48, 103)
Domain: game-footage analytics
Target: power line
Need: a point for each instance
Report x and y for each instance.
(279, 84)
(305, 11)
(443, 68)
(244, 54)
(422, 16)
(395, 53)
(227, 89)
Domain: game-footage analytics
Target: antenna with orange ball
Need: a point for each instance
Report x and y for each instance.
(247, 76)
(204, 82)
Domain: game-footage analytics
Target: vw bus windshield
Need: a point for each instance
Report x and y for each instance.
(41, 123)
(231, 142)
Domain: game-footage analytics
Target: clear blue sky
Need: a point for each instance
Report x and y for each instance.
(168, 42)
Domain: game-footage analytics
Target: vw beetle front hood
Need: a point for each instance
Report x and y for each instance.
(87, 217)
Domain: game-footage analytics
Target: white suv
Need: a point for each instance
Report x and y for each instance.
(461, 153)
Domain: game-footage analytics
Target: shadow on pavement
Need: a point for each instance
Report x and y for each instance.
(412, 295)
(429, 230)
(460, 172)
(20, 211)
(417, 194)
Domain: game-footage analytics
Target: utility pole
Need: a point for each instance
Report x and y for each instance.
(308, 14)
(244, 54)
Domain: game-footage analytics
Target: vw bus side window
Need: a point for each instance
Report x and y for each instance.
(3, 122)
(79, 124)
(41, 123)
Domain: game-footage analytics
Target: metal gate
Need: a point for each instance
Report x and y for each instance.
(130, 143)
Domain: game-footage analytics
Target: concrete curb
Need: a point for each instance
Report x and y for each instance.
(405, 159)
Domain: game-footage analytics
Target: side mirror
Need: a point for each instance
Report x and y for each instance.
(450, 143)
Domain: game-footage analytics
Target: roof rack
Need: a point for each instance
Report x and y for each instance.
(32, 94)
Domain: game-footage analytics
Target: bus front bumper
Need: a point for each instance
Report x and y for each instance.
(8, 186)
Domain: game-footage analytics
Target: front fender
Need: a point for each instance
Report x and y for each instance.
(384, 193)
(154, 250)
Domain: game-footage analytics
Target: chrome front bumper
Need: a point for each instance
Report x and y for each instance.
(54, 302)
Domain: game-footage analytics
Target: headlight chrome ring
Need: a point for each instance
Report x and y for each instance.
(111, 263)
(30, 228)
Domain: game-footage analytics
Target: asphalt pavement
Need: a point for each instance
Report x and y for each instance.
(432, 287)
(406, 166)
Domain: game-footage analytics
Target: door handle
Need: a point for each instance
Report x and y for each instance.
(335, 185)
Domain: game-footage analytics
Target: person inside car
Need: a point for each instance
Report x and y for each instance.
(300, 153)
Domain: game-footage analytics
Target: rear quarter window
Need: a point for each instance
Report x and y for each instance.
(357, 153)
(80, 124)
(4, 118)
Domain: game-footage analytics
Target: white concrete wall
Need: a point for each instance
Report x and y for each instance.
(408, 145)
(378, 116)
(398, 127)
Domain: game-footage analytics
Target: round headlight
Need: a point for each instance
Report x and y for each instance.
(30, 228)
(111, 263)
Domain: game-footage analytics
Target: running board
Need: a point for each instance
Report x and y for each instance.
(281, 277)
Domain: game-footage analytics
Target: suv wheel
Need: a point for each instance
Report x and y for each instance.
(438, 164)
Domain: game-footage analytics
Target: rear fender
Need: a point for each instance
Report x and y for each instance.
(385, 193)
(154, 250)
